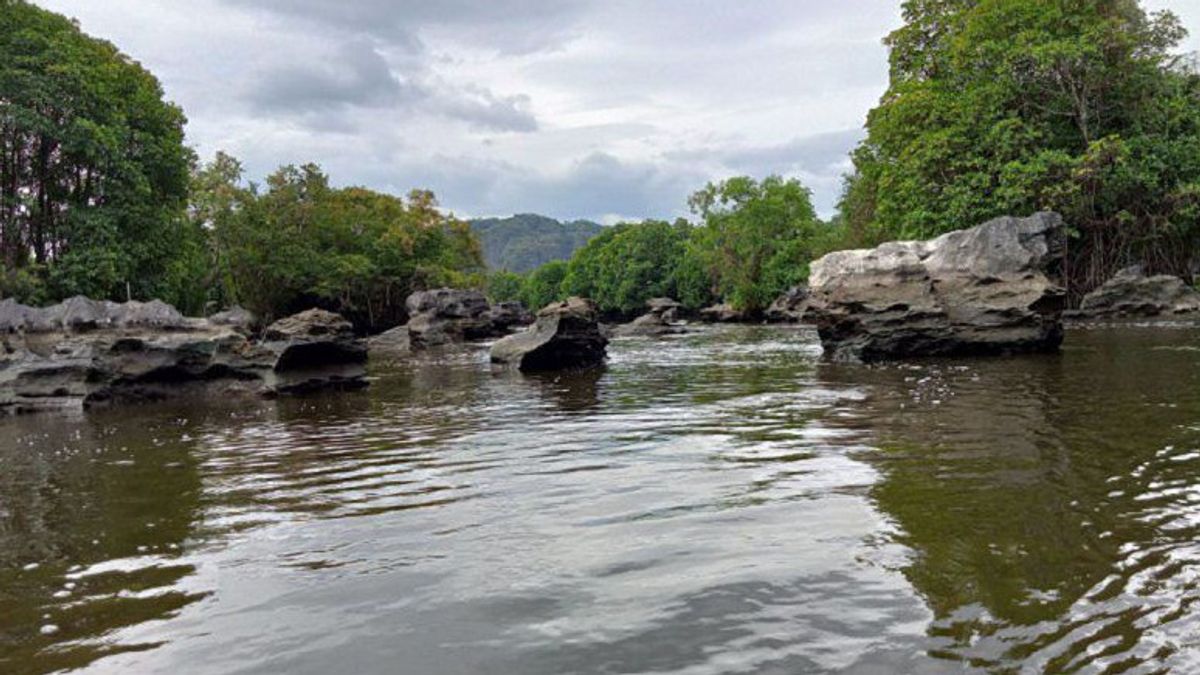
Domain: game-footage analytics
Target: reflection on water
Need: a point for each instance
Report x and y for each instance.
(719, 503)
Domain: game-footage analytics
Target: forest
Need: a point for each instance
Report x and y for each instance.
(994, 107)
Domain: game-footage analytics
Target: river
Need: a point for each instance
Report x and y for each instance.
(720, 502)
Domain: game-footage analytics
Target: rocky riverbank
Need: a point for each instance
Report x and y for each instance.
(85, 353)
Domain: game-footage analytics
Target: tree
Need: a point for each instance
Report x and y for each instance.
(544, 285)
(1010, 106)
(628, 264)
(301, 243)
(93, 170)
(757, 238)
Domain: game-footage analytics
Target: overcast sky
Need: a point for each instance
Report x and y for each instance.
(601, 109)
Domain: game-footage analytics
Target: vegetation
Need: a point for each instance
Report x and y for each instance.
(301, 243)
(754, 241)
(526, 241)
(1011, 106)
(994, 107)
(93, 169)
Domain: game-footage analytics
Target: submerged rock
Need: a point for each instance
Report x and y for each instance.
(1130, 293)
(655, 323)
(565, 335)
(84, 353)
(789, 307)
(992, 289)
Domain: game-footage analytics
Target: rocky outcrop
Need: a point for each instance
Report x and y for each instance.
(566, 335)
(722, 313)
(83, 353)
(657, 322)
(237, 318)
(991, 289)
(446, 315)
(789, 307)
(1130, 293)
(506, 316)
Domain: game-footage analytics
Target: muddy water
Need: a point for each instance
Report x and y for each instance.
(722, 502)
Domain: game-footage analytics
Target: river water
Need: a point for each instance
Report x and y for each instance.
(721, 502)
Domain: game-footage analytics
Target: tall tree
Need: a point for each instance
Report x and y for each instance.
(1010, 106)
(93, 169)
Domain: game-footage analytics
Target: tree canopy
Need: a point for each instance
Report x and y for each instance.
(93, 168)
(300, 242)
(1010, 106)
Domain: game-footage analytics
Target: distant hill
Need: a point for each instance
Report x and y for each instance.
(527, 241)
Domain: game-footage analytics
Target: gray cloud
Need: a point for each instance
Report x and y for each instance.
(357, 75)
(574, 108)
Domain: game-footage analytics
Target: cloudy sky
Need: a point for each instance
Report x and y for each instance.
(602, 109)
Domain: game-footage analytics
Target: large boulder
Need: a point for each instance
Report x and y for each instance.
(565, 335)
(448, 315)
(992, 289)
(84, 353)
(656, 322)
(1130, 293)
(789, 307)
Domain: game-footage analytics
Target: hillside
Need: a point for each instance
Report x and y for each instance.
(526, 241)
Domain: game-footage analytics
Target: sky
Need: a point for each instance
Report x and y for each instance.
(599, 109)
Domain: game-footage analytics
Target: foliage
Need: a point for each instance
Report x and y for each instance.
(757, 238)
(301, 242)
(544, 285)
(526, 241)
(1010, 106)
(505, 286)
(93, 170)
(628, 264)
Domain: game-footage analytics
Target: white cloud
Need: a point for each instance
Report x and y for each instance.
(573, 108)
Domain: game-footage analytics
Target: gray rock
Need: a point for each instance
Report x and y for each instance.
(992, 289)
(566, 335)
(722, 313)
(448, 315)
(655, 323)
(235, 317)
(508, 315)
(108, 353)
(789, 307)
(1130, 293)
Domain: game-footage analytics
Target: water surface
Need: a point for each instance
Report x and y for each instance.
(721, 502)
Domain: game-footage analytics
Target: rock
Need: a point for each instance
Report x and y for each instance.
(667, 308)
(723, 313)
(1130, 293)
(992, 289)
(314, 350)
(236, 317)
(448, 315)
(392, 343)
(565, 335)
(789, 307)
(508, 315)
(107, 353)
(655, 323)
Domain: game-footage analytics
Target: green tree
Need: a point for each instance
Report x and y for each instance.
(627, 264)
(504, 286)
(544, 285)
(93, 169)
(301, 243)
(1010, 106)
(757, 238)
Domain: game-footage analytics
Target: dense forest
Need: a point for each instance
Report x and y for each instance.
(527, 241)
(994, 107)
